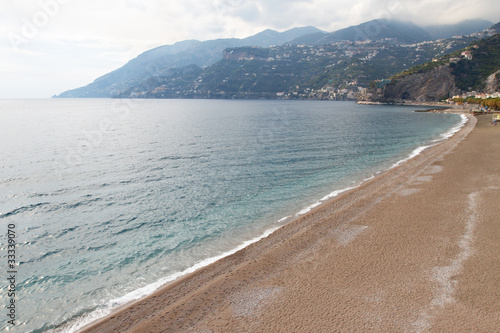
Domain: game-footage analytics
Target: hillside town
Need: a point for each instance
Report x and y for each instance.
(343, 70)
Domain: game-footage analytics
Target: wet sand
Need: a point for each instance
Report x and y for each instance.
(417, 249)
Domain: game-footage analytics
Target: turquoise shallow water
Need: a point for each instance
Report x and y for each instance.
(112, 198)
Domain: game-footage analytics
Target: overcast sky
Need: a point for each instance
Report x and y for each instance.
(49, 46)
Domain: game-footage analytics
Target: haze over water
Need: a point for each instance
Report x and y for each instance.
(112, 198)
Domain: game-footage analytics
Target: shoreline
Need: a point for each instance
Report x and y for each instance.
(407, 103)
(181, 293)
(435, 107)
(98, 315)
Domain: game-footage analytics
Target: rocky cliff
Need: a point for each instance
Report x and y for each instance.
(429, 86)
(492, 83)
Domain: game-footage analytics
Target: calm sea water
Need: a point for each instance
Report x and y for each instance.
(112, 198)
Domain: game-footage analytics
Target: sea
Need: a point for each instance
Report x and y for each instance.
(103, 201)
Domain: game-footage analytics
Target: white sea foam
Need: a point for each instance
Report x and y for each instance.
(329, 196)
(455, 129)
(284, 219)
(443, 136)
(413, 154)
(417, 151)
(337, 192)
(371, 177)
(309, 208)
(151, 288)
(332, 195)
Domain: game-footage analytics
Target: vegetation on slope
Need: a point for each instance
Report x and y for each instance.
(469, 74)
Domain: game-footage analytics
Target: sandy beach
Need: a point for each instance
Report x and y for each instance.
(417, 249)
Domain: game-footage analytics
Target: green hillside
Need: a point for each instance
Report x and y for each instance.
(308, 63)
(331, 71)
(471, 74)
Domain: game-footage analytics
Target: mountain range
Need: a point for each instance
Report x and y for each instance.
(403, 32)
(160, 60)
(186, 63)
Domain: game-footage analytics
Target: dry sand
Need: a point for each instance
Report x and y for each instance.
(416, 249)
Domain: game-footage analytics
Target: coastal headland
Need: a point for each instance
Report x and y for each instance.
(413, 250)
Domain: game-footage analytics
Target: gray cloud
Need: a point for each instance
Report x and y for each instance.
(248, 12)
(126, 28)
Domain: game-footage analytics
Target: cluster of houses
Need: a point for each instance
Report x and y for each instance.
(482, 108)
(325, 93)
(476, 95)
